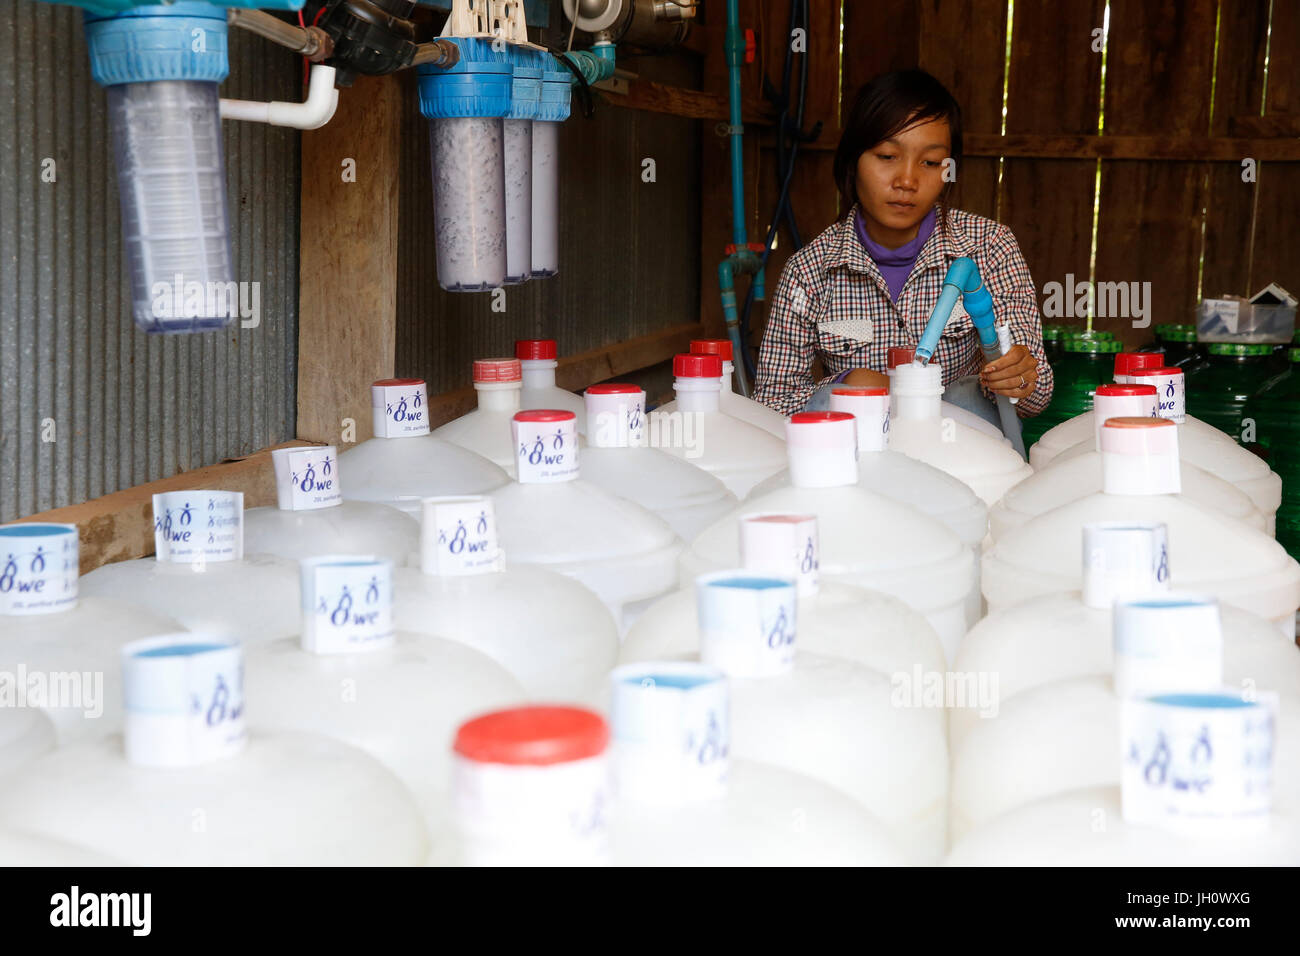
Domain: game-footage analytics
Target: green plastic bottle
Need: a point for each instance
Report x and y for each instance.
(1052, 338)
(1178, 342)
(1217, 393)
(1089, 361)
(1275, 412)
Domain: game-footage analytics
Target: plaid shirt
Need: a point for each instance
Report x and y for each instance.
(832, 301)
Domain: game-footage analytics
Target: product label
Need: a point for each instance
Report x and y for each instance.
(38, 573)
(459, 536)
(782, 545)
(546, 451)
(1198, 762)
(184, 699)
(307, 478)
(671, 732)
(347, 604)
(400, 411)
(195, 527)
(747, 624)
(1170, 395)
(551, 815)
(617, 421)
(1123, 559)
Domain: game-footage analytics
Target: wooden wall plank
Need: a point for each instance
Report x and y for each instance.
(119, 526)
(963, 43)
(813, 193)
(1149, 227)
(870, 50)
(1277, 212)
(1049, 204)
(347, 303)
(1230, 202)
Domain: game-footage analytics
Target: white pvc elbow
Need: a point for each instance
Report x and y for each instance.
(313, 113)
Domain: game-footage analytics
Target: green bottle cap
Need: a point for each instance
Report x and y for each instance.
(1238, 350)
(1091, 345)
(1176, 332)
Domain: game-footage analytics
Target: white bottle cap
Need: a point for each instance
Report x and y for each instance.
(1122, 401)
(1198, 763)
(615, 415)
(458, 535)
(39, 563)
(822, 448)
(1123, 559)
(347, 603)
(916, 390)
(1171, 393)
(1139, 456)
(531, 786)
(184, 700)
(747, 623)
(671, 732)
(307, 478)
(546, 445)
(399, 408)
(1167, 643)
(198, 527)
(870, 407)
(782, 545)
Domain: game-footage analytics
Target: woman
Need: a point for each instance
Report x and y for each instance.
(868, 282)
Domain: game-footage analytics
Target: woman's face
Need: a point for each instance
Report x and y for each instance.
(900, 179)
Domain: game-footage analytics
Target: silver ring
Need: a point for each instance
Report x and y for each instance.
(1023, 383)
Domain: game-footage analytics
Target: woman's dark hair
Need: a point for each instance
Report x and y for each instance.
(885, 107)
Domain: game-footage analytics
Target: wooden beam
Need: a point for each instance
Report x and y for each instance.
(119, 526)
(598, 365)
(576, 372)
(347, 300)
(693, 104)
(1185, 148)
(1262, 127)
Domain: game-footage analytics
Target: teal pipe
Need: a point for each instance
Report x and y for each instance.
(963, 278)
(735, 56)
(595, 64)
(742, 260)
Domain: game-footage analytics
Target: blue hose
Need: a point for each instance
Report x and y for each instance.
(963, 278)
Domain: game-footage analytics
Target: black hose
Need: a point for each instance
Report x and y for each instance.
(783, 212)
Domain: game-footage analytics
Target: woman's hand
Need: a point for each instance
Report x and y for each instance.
(1014, 374)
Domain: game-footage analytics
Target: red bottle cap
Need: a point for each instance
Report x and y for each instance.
(535, 349)
(545, 415)
(536, 736)
(900, 356)
(697, 366)
(614, 388)
(718, 347)
(497, 370)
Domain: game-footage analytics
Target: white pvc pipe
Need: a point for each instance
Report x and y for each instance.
(317, 110)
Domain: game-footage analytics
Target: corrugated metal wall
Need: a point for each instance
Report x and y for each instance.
(629, 250)
(127, 407)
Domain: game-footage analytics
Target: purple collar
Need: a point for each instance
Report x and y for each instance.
(896, 264)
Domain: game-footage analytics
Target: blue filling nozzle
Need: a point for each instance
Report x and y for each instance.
(962, 278)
